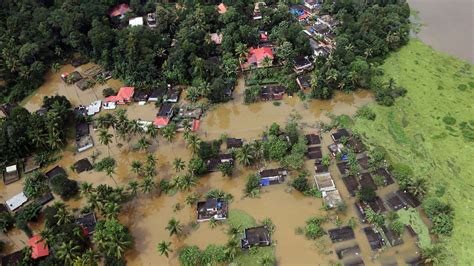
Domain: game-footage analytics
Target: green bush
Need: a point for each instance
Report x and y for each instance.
(6, 221)
(252, 187)
(190, 256)
(35, 185)
(197, 166)
(313, 228)
(300, 183)
(64, 186)
(366, 194)
(366, 112)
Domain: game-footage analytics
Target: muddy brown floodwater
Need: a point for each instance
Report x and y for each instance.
(447, 26)
(147, 215)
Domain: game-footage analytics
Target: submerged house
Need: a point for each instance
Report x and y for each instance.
(395, 203)
(119, 11)
(302, 63)
(375, 239)
(83, 165)
(234, 143)
(141, 97)
(156, 95)
(30, 165)
(348, 251)
(39, 247)
(351, 183)
(88, 222)
(258, 57)
(83, 139)
(151, 20)
(11, 174)
(312, 4)
(216, 38)
(16, 201)
(57, 170)
(256, 237)
(164, 115)
(216, 209)
(272, 176)
(341, 234)
(324, 182)
(332, 198)
(213, 163)
(304, 82)
(71, 78)
(124, 96)
(312, 139)
(314, 153)
(221, 8)
(172, 95)
(340, 133)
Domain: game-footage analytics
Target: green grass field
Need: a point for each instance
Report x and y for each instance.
(432, 129)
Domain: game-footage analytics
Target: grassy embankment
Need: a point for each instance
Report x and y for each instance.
(432, 130)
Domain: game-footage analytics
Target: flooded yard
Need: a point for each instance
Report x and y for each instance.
(148, 215)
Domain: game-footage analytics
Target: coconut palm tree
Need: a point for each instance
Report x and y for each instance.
(169, 132)
(244, 155)
(111, 210)
(68, 251)
(87, 189)
(136, 166)
(133, 187)
(241, 50)
(109, 171)
(434, 255)
(105, 138)
(88, 258)
(152, 132)
(174, 227)
(135, 127)
(62, 215)
(178, 164)
(55, 67)
(148, 185)
(143, 144)
(164, 248)
(193, 142)
(417, 186)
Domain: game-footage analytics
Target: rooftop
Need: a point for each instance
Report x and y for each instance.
(256, 236)
(39, 248)
(83, 165)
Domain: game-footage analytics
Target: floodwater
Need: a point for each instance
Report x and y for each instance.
(447, 26)
(147, 215)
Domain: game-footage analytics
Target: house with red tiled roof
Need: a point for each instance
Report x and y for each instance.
(221, 8)
(125, 95)
(39, 248)
(161, 121)
(120, 10)
(256, 57)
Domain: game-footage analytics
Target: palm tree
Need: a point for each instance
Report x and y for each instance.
(152, 131)
(109, 171)
(105, 138)
(434, 255)
(62, 214)
(86, 189)
(244, 155)
(241, 50)
(136, 167)
(169, 132)
(257, 150)
(48, 236)
(88, 258)
(178, 165)
(143, 144)
(55, 67)
(111, 210)
(133, 187)
(164, 248)
(68, 251)
(418, 186)
(174, 227)
(148, 185)
(193, 142)
(135, 127)
(266, 61)
(232, 248)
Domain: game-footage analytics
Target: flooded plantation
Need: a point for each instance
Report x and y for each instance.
(147, 215)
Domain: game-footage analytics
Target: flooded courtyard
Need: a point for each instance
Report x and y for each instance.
(147, 215)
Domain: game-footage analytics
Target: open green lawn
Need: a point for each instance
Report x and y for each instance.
(432, 129)
(412, 217)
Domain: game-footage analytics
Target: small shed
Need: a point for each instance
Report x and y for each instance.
(87, 222)
(348, 251)
(94, 107)
(39, 247)
(57, 170)
(304, 82)
(314, 153)
(82, 165)
(375, 239)
(43, 200)
(234, 143)
(340, 133)
(16, 201)
(351, 183)
(312, 139)
(256, 236)
(324, 182)
(320, 168)
(11, 174)
(332, 198)
(84, 143)
(341, 234)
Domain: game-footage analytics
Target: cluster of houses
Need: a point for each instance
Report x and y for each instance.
(18, 202)
(385, 236)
